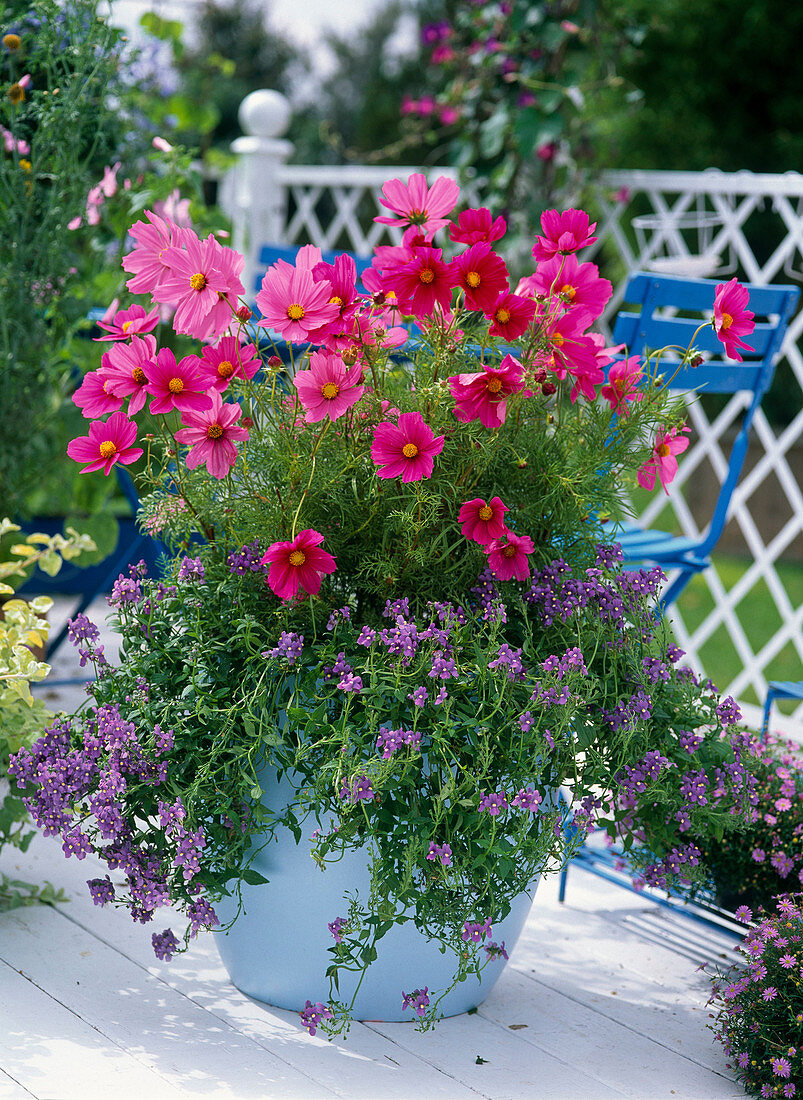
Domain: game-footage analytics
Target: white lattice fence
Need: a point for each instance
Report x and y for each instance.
(706, 224)
(688, 223)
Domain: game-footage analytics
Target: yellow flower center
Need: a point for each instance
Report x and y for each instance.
(485, 513)
(330, 390)
(297, 557)
(335, 301)
(493, 385)
(473, 278)
(502, 316)
(508, 551)
(727, 320)
(662, 450)
(198, 281)
(295, 312)
(409, 450)
(426, 275)
(138, 374)
(225, 369)
(107, 448)
(558, 340)
(175, 385)
(569, 291)
(12, 42)
(127, 325)
(214, 431)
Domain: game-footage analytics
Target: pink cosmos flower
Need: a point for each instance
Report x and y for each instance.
(511, 316)
(422, 282)
(419, 205)
(12, 144)
(180, 386)
(579, 285)
(662, 461)
(93, 397)
(572, 351)
(508, 559)
(108, 184)
(624, 378)
(126, 374)
(477, 225)
(128, 322)
(342, 278)
(174, 209)
(329, 387)
(563, 233)
(731, 319)
(298, 564)
(407, 451)
(483, 522)
(483, 396)
(211, 436)
(229, 359)
(106, 444)
(146, 261)
(482, 275)
(293, 304)
(203, 282)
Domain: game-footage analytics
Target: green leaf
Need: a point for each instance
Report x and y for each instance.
(253, 878)
(493, 132)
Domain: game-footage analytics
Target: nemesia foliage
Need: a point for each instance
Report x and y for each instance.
(392, 577)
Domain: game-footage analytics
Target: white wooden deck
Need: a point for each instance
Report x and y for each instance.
(602, 998)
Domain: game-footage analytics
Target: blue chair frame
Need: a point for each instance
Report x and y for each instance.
(649, 328)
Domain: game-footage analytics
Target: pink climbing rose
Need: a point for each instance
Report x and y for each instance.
(298, 564)
(106, 444)
(211, 435)
(732, 319)
(663, 463)
(329, 387)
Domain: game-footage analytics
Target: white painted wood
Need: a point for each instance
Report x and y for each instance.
(11, 1089)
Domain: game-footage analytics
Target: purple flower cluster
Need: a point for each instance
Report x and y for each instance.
(248, 559)
(557, 596)
(336, 927)
(340, 613)
(443, 852)
(493, 803)
(191, 569)
(417, 1000)
(443, 666)
(496, 950)
(527, 799)
(360, 790)
(389, 741)
(476, 932)
(627, 713)
(510, 659)
(81, 629)
(290, 646)
(312, 1014)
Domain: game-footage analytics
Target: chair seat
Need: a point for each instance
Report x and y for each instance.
(663, 548)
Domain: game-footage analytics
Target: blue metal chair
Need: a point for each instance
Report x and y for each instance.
(779, 689)
(656, 324)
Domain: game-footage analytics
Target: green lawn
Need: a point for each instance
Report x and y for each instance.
(759, 618)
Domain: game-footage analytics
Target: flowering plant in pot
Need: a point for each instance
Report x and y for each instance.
(391, 617)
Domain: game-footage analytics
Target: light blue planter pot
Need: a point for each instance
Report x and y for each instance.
(277, 949)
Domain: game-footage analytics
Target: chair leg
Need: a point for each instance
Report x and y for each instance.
(675, 588)
(562, 884)
(765, 724)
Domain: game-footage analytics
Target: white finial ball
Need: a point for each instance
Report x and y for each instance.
(264, 113)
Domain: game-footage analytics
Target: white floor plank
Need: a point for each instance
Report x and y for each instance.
(12, 1090)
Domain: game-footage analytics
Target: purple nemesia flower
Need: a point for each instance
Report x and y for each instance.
(201, 915)
(529, 799)
(290, 646)
(366, 637)
(350, 682)
(125, 590)
(165, 945)
(360, 790)
(101, 890)
(493, 802)
(191, 569)
(339, 613)
(443, 852)
(336, 927)
(476, 931)
(389, 741)
(728, 711)
(312, 1014)
(81, 629)
(419, 696)
(417, 1000)
(496, 950)
(248, 559)
(171, 815)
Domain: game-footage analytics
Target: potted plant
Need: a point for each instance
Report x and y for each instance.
(393, 624)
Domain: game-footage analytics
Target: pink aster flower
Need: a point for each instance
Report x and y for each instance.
(731, 319)
(180, 386)
(125, 365)
(128, 322)
(407, 450)
(229, 359)
(423, 282)
(663, 462)
(203, 282)
(477, 225)
(507, 556)
(329, 387)
(298, 564)
(211, 436)
(419, 205)
(482, 275)
(93, 396)
(563, 232)
(483, 396)
(579, 285)
(781, 1067)
(146, 260)
(483, 522)
(293, 304)
(624, 379)
(510, 316)
(106, 444)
